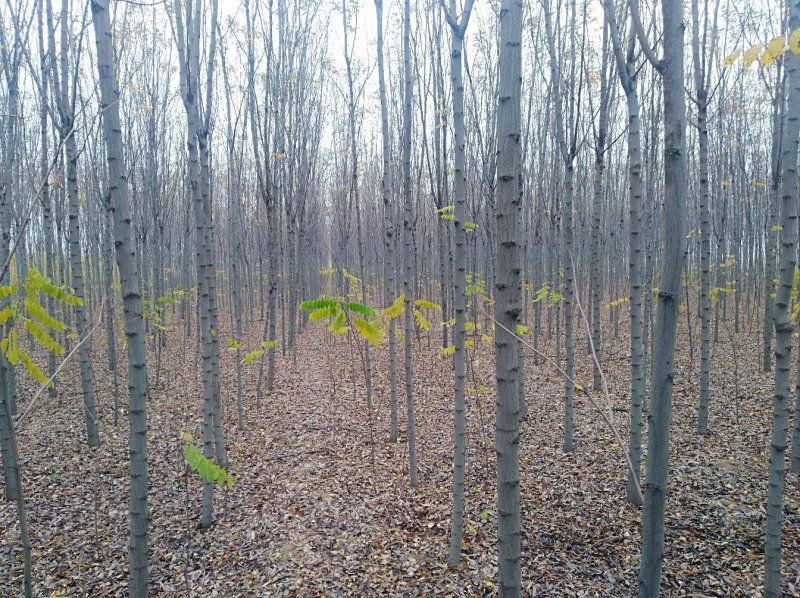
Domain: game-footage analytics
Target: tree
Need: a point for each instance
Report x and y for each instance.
(507, 297)
(458, 29)
(703, 63)
(627, 73)
(354, 187)
(131, 297)
(389, 232)
(188, 24)
(64, 81)
(670, 68)
(600, 149)
(408, 257)
(567, 144)
(787, 261)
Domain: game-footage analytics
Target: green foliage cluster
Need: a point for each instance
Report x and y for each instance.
(370, 324)
(206, 468)
(35, 319)
(446, 213)
(548, 295)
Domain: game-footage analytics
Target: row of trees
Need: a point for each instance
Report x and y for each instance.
(239, 157)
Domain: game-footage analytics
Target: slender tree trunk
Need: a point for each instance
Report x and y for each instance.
(354, 189)
(131, 297)
(388, 255)
(701, 67)
(626, 70)
(408, 247)
(597, 199)
(783, 323)
(458, 29)
(507, 298)
(665, 331)
(108, 265)
(772, 218)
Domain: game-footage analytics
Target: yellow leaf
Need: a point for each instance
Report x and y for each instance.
(726, 183)
(422, 321)
(731, 58)
(766, 59)
(186, 437)
(370, 334)
(777, 228)
(751, 55)
(395, 310)
(794, 41)
(777, 46)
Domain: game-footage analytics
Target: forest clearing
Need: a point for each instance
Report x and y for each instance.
(442, 297)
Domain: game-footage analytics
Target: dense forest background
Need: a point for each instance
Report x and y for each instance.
(305, 297)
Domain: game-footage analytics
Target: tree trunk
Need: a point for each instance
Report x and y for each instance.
(626, 70)
(408, 247)
(458, 29)
(665, 331)
(507, 298)
(131, 297)
(782, 319)
(388, 255)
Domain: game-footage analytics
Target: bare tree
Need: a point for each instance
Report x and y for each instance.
(787, 261)
(458, 28)
(131, 297)
(670, 67)
(507, 297)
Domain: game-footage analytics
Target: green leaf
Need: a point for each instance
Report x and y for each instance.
(362, 309)
(6, 314)
(337, 323)
(32, 368)
(39, 313)
(316, 304)
(323, 313)
(207, 469)
(252, 356)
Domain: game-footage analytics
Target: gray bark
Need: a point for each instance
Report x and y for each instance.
(702, 73)
(782, 319)
(568, 150)
(65, 103)
(408, 247)
(389, 288)
(458, 29)
(671, 68)
(356, 192)
(131, 297)
(626, 71)
(507, 298)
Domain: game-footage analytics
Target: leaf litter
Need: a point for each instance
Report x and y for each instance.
(320, 509)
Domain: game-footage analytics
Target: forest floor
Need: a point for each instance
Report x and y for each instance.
(322, 506)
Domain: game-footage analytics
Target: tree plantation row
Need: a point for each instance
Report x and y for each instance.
(379, 204)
